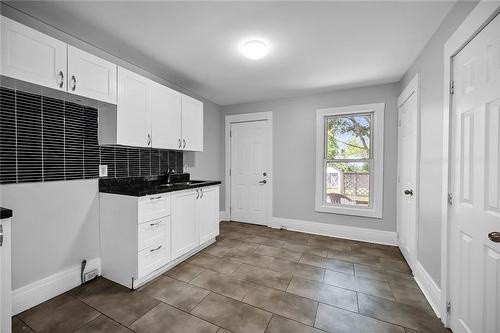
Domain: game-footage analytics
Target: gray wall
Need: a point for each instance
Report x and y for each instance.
(294, 149)
(55, 224)
(430, 66)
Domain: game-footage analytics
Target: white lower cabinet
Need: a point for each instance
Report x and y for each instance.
(5, 276)
(207, 213)
(184, 225)
(141, 237)
(195, 219)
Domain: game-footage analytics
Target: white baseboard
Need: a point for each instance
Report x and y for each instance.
(39, 291)
(334, 230)
(430, 289)
(223, 216)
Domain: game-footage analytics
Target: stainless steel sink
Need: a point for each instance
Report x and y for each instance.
(187, 183)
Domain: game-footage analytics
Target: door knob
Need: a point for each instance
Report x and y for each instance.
(264, 174)
(263, 182)
(494, 236)
(408, 192)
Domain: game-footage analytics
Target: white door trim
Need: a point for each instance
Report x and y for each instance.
(412, 88)
(480, 16)
(240, 118)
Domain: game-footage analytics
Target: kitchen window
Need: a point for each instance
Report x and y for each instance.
(349, 160)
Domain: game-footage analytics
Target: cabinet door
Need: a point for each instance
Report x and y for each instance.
(133, 124)
(207, 212)
(31, 56)
(165, 110)
(91, 76)
(192, 124)
(185, 236)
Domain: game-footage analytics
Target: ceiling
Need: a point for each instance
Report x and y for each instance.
(315, 46)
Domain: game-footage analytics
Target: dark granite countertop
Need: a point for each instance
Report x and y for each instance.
(139, 187)
(5, 213)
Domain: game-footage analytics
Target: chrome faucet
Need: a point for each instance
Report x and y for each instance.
(169, 173)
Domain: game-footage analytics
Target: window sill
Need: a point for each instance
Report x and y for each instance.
(363, 212)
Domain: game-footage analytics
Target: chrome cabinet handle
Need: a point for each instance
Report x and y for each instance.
(184, 145)
(155, 198)
(263, 182)
(1, 234)
(180, 143)
(201, 190)
(60, 79)
(197, 194)
(408, 192)
(149, 139)
(494, 236)
(154, 224)
(73, 79)
(153, 250)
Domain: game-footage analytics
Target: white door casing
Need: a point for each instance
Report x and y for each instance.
(249, 167)
(408, 171)
(475, 184)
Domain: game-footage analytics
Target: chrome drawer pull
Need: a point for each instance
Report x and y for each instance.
(153, 250)
(154, 224)
(155, 198)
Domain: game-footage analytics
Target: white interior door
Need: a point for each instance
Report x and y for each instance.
(250, 168)
(475, 183)
(408, 171)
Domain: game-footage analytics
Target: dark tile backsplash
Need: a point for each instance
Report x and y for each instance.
(46, 139)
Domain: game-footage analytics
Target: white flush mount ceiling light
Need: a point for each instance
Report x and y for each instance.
(254, 49)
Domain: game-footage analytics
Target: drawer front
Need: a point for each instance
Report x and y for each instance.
(152, 207)
(152, 258)
(153, 232)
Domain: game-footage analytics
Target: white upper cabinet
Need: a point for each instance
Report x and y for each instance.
(31, 56)
(133, 124)
(192, 124)
(165, 110)
(91, 76)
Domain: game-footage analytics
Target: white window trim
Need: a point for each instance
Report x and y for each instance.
(377, 173)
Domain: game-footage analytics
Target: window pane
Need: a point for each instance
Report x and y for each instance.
(347, 183)
(348, 136)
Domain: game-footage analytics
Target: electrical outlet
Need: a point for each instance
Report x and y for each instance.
(103, 170)
(90, 275)
(186, 168)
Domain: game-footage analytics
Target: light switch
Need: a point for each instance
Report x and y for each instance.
(103, 170)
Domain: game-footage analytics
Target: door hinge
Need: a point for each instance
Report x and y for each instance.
(450, 199)
(230, 133)
(448, 307)
(452, 87)
(230, 172)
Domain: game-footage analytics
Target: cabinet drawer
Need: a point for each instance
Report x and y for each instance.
(152, 207)
(152, 258)
(152, 232)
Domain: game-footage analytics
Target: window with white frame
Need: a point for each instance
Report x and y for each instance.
(349, 160)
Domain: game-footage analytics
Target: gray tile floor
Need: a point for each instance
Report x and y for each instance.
(254, 279)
